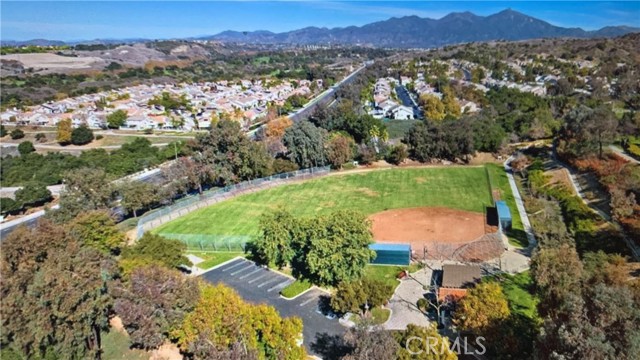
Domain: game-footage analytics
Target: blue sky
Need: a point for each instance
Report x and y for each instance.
(67, 20)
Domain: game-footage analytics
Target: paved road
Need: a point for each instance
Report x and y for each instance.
(259, 285)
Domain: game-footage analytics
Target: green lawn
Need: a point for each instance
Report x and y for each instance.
(397, 128)
(463, 188)
(115, 346)
(212, 259)
(378, 316)
(387, 273)
(519, 291)
(517, 236)
(295, 288)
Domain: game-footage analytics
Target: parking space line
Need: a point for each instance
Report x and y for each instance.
(308, 301)
(281, 285)
(249, 274)
(268, 281)
(242, 262)
(258, 278)
(241, 270)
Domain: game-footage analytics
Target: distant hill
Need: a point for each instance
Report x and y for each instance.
(414, 31)
(404, 32)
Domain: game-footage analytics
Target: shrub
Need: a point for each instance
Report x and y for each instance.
(26, 147)
(99, 137)
(9, 206)
(397, 154)
(3, 131)
(17, 134)
(40, 137)
(81, 135)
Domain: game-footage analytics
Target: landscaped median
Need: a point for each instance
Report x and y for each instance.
(295, 289)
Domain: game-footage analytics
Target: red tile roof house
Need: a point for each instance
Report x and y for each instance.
(456, 280)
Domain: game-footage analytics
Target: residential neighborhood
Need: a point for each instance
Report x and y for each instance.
(244, 100)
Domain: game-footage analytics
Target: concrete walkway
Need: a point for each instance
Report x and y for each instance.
(404, 303)
(623, 155)
(520, 205)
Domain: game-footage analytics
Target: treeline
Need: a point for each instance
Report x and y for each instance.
(49, 169)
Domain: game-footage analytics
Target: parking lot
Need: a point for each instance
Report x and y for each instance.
(259, 285)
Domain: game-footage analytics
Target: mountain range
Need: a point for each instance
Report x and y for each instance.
(417, 32)
(408, 32)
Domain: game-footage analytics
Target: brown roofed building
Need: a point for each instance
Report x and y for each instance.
(456, 279)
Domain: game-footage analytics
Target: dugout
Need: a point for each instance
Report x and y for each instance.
(504, 214)
(391, 254)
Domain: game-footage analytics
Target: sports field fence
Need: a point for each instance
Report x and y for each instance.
(191, 203)
(208, 242)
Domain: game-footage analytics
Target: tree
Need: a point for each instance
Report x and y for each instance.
(354, 295)
(9, 206)
(277, 127)
(64, 132)
(370, 343)
(55, 299)
(16, 134)
(221, 322)
(397, 154)
(451, 105)
(153, 303)
(116, 119)
(423, 343)
(339, 150)
(81, 135)
(33, 195)
(557, 273)
(85, 189)
(3, 131)
(484, 307)
(274, 246)
(622, 204)
(137, 195)
(433, 108)
(588, 129)
(229, 156)
(306, 144)
(26, 147)
(333, 248)
(97, 229)
(157, 249)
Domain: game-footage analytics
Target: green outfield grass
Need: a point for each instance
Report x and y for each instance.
(464, 188)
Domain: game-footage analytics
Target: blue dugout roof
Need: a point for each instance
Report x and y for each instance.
(390, 247)
(503, 210)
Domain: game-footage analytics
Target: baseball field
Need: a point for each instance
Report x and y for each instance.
(463, 189)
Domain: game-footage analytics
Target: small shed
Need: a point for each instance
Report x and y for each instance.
(504, 214)
(391, 254)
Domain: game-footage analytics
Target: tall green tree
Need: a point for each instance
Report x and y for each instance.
(81, 135)
(137, 195)
(85, 189)
(97, 229)
(278, 231)
(306, 144)
(155, 249)
(334, 248)
(116, 119)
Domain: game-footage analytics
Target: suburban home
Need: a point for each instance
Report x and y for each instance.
(456, 280)
(468, 107)
(400, 112)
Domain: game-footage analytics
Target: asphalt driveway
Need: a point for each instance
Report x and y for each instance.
(259, 285)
